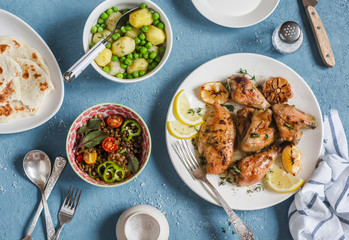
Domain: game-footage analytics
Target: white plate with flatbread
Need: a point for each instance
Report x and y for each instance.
(46, 65)
(236, 13)
(263, 68)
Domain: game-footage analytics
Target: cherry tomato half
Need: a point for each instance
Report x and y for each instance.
(79, 158)
(110, 144)
(114, 121)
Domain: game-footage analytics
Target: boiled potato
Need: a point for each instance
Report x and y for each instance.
(132, 33)
(155, 35)
(123, 46)
(115, 68)
(104, 57)
(141, 17)
(100, 35)
(154, 49)
(112, 19)
(138, 65)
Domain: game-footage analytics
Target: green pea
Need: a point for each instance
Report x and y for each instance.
(161, 50)
(145, 28)
(135, 74)
(150, 68)
(148, 45)
(125, 74)
(108, 45)
(156, 16)
(158, 59)
(128, 28)
(100, 21)
(155, 22)
(94, 29)
(103, 25)
(146, 55)
(115, 9)
(91, 45)
(129, 76)
(122, 59)
(123, 29)
(143, 42)
(142, 72)
(143, 50)
(122, 65)
(114, 37)
(100, 29)
(141, 36)
(106, 69)
(98, 25)
(160, 25)
(153, 55)
(140, 55)
(128, 61)
(120, 75)
(114, 58)
(109, 11)
(137, 40)
(143, 5)
(154, 64)
(136, 55)
(138, 48)
(130, 56)
(150, 60)
(104, 16)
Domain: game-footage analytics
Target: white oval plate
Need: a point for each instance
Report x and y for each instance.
(262, 67)
(236, 13)
(11, 25)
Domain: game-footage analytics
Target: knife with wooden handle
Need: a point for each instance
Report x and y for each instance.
(322, 41)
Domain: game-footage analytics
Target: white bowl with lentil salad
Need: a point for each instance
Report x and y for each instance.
(137, 50)
(108, 145)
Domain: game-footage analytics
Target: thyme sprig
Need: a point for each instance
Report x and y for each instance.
(245, 73)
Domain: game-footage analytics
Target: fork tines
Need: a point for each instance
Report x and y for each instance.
(186, 155)
(72, 204)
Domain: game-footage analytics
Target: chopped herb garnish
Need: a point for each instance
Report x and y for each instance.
(194, 128)
(230, 108)
(266, 136)
(191, 111)
(228, 87)
(235, 169)
(260, 187)
(254, 135)
(244, 72)
(289, 126)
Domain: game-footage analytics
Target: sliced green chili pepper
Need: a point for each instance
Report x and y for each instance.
(104, 166)
(128, 126)
(111, 173)
(94, 177)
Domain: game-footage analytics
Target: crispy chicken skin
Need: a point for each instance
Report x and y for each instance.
(216, 139)
(246, 93)
(290, 120)
(243, 120)
(259, 134)
(253, 168)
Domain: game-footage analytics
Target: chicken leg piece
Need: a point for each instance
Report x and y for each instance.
(290, 120)
(216, 139)
(253, 168)
(246, 93)
(243, 120)
(259, 134)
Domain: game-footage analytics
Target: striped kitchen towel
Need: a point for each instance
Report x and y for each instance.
(320, 210)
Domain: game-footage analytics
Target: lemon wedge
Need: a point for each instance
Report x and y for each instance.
(183, 111)
(180, 130)
(291, 159)
(281, 181)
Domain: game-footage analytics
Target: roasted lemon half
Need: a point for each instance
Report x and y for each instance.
(214, 92)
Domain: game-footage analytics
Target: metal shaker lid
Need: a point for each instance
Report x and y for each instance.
(290, 32)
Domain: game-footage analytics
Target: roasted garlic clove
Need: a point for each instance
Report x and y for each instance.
(291, 159)
(214, 92)
(277, 90)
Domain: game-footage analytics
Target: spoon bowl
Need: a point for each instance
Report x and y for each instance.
(37, 166)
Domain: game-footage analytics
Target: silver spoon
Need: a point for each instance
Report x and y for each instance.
(89, 56)
(37, 167)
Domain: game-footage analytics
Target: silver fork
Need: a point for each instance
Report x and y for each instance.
(67, 211)
(198, 173)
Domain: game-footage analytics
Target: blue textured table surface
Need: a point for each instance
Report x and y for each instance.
(196, 40)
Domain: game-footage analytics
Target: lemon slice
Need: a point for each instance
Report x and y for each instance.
(283, 182)
(180, 130)
(184, 112)
(291, 159)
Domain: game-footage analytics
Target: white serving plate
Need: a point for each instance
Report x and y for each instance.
(262, 67)
(11, 25)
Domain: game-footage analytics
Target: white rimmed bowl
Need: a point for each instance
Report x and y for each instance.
(127, 4)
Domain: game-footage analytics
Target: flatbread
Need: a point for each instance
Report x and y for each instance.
(16, 48)
(12, 92)
(12, 110)
(9, 69)
(35, 84)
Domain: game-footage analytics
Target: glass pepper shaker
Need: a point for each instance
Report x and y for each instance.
(288, 37)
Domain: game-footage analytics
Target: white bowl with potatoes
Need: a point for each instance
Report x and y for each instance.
(137, 50)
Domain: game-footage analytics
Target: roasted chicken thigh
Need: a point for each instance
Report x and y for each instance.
(216, 139)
